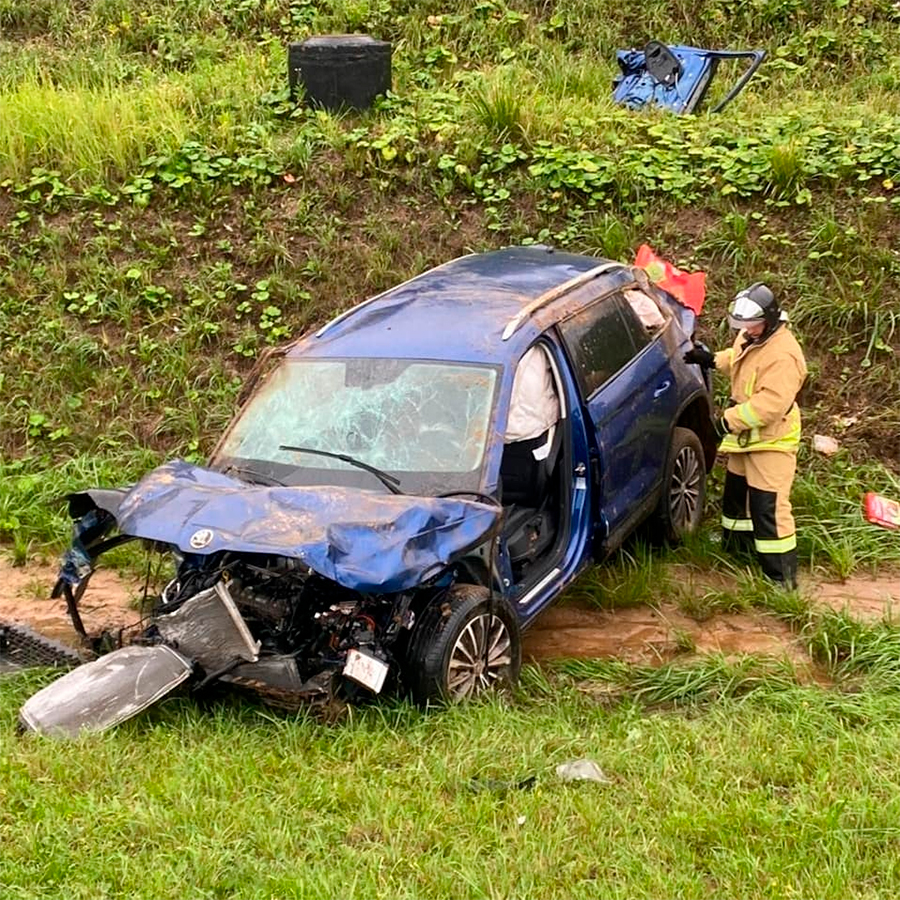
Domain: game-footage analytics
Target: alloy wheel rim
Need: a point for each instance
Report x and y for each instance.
(684, 494)
(481, 655)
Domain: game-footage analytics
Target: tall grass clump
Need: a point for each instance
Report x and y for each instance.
(635, 575)
(832, 532)
(610, 236)
(500, 105)
(583, 79)
(32, 496)
(29, 17)
(223, 95)
(714, 678)
(853, 649)
(90, 134)
(786, 169)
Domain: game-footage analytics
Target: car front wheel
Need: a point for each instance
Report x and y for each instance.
(684, 487)
(467, 645)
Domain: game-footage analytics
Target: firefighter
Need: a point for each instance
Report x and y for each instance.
(759, 431)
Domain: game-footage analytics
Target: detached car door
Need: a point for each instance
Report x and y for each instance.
(629, 390)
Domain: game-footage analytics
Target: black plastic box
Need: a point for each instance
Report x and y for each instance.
(340, 70)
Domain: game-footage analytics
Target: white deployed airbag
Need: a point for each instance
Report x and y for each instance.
(534, 406)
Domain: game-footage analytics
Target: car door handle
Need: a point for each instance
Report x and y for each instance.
(662, 388)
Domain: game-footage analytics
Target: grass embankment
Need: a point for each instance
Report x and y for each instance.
(168, 213)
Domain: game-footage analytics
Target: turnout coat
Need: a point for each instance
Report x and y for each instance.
(766, 377)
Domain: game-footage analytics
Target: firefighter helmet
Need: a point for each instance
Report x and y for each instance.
(755, 305)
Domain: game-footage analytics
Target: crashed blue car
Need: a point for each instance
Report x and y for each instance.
(405, 489)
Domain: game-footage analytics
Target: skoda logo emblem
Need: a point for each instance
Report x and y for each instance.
(202, 538)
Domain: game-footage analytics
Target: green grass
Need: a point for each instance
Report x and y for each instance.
(499, 106)
(158, 249)
(633, 576)
(785, 790)
(32, 502)
(828, 498)
(95, 133)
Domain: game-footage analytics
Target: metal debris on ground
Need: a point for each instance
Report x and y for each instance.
(22, 648)
(105, 692)
(676, 77)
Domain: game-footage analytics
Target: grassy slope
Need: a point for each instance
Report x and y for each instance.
(167, 214)
(159, 247)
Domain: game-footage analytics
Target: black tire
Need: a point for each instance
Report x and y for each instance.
(446, 660)
(680, 508)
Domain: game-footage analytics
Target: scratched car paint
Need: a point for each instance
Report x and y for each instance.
(403, 491)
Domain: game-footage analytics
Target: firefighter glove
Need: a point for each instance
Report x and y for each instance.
(721, 429)
(700, 356)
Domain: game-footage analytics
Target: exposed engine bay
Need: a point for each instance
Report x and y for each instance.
(305, 625)
(266, 624)
(328, 613)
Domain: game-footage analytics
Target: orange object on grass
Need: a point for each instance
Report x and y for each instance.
(881, 511)
(689, 288)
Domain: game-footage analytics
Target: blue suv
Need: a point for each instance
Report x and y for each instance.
(406, 488)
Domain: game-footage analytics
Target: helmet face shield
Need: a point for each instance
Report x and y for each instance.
(745, 312)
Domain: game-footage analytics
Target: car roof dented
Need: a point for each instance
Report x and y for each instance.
(462, 310)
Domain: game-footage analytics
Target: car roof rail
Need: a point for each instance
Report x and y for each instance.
(555, 293)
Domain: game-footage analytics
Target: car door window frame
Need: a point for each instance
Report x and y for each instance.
(571, 342)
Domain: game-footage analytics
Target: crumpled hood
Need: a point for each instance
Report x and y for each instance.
(365, 541)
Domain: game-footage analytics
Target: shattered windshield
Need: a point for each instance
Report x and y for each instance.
(397, 415)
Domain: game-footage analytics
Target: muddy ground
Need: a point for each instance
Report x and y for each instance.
(109, 603)
(656, 634)
(641, 634)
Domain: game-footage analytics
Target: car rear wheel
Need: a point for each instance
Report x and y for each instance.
(684, 488)
(468, 644)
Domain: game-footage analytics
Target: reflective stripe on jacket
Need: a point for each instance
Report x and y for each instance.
(765, 380)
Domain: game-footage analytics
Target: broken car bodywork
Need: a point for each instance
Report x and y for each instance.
(409, 486)
(284, 590)
(361, 540)
(676, 77)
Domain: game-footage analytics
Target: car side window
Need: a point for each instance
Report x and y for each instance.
(647, 311)
(600, 341)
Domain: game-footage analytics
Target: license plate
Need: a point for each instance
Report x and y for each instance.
(368, 670)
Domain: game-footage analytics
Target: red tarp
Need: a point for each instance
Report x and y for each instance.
(688, 288)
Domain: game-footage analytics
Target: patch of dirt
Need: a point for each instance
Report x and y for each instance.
(653, 635)
(867, 599)
(656, 635)
(648, 635)
(691, 581)
(25, 598)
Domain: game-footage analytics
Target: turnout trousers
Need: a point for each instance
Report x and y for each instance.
(756, 511)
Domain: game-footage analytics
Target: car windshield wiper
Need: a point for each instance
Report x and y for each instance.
(391, 483)
(253, 476)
